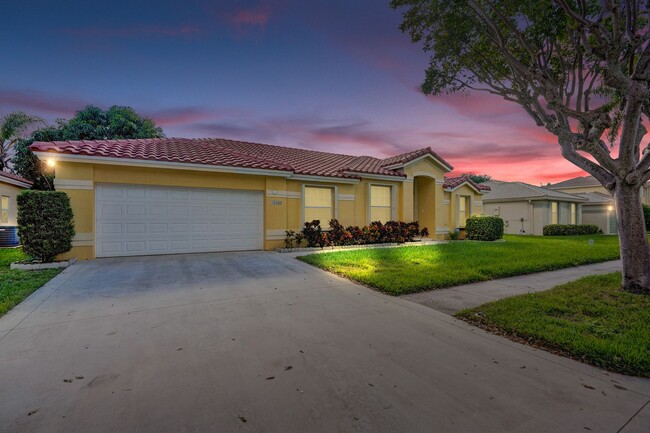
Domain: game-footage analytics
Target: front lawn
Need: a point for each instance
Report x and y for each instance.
(397, 271)
(590, 319)
(16, 285)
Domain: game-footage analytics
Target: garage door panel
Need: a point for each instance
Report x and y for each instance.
(135, 247)
(137, 193)
(110, 209)
(135, 210)
(140, 220)
(135, 228)
(110, 228)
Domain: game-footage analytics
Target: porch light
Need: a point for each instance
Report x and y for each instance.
(610, 208)
(50, 162)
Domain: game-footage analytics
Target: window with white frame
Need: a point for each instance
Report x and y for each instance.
(319, 204)
(381, 203)
(573, 214)
(4, 218)
(554, 214)
(463, 210)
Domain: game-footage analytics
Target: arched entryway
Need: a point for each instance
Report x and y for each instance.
(424, 202)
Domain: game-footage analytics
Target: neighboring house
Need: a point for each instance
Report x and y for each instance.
(599, 210)
(172, 195)
(526, 208)
(10, 186)
(590, 184)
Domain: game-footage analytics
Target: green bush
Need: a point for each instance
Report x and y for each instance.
(571, 229)
(484, 228)
(646, 215)
(45, 224)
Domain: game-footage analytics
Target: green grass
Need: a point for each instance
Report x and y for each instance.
(16, 285)
(397, 271)
(590, 319)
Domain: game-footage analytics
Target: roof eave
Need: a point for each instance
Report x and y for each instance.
(107, 160)
(15, 182)
(398, 177)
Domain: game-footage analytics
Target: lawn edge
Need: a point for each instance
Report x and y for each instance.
(535, 342)
(471, 281)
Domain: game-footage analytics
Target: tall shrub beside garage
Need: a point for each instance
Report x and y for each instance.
(45, 224)
(484, 228)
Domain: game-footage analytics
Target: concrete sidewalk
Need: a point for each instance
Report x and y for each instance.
(457, 298)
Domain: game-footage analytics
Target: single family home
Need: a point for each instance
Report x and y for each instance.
(587, 184)
(10, 186)
(175, 195)
(526, 208)
(600, 208)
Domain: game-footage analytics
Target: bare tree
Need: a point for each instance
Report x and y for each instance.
(579, 68)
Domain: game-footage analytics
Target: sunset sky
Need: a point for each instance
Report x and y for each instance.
(335, 76)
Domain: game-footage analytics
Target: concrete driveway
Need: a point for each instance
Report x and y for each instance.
(259, 342)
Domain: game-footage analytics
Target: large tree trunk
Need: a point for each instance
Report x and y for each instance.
(635, 253)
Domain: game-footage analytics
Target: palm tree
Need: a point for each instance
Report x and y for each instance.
(12, 126)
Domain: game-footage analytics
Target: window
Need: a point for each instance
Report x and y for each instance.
(4, 219)
(463, 210)
(573, 213)
(381, 208)
(319, 204)
(554, 212)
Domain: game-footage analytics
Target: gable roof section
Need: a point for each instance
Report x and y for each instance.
(512, 191)
(14, 179)
(405, 158)
(595, 197)
(576, 182)
(232, 153)
(452, 183)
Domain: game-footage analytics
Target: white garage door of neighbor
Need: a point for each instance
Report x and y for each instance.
(133, 220)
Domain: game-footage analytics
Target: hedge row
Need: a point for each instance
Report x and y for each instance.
(45, 224)
(484, 228)
(571, 229)
(376, 233)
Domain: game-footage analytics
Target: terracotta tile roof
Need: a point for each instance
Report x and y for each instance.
(453, 182)
(15, 177)
(232, 153)
(410, 156)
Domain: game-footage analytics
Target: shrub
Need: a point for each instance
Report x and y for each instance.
(484, 228)
(571, 229)
(313, 234)
(45, 224)
(374, 233)
(646, 215)
(289, 239)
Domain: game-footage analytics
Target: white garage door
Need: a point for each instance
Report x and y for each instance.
(135, 220)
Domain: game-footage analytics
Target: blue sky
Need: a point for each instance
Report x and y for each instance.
(336, 76)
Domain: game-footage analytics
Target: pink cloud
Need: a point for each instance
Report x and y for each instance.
(184, 116)
(258, 16)
(133, 31)
(40, 103)
(478, 104)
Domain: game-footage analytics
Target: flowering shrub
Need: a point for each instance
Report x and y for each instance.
(374, 233)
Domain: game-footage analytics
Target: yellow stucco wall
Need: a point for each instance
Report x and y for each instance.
(283, 208)
(12, 192)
